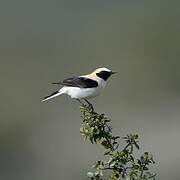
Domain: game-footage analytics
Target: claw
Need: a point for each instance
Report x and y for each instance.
(90, 105)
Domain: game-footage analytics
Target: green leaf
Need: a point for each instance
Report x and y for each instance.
(145, 168)
(113, 163)
(107, 152)
(136, 166)
(90, 174)
(105, 144)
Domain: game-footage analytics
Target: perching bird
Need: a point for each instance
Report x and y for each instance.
(85, 86)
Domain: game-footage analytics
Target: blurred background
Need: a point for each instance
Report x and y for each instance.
(43, 41)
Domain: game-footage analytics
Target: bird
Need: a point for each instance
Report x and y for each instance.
(83, 87)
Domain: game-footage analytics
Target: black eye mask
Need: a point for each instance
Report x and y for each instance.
(104, 75)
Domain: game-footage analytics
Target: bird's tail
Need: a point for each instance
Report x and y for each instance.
(54, 94)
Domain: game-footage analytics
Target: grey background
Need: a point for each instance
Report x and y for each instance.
(45, 41)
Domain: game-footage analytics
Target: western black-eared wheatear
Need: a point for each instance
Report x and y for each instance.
(83, 87)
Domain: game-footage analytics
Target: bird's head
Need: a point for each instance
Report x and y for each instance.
(103, 73)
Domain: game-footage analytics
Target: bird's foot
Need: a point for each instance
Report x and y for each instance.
(90, 106)
(82, 104)
(87, 105)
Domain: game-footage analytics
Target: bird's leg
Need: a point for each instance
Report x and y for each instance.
(90, 105)
(82, 104)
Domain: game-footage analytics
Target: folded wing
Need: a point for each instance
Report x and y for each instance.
(81, 82)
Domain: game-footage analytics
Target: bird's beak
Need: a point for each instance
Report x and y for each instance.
(112, 72)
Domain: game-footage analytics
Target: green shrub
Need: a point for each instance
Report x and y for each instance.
(120, 162)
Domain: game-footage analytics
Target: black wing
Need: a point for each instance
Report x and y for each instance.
(81, 82)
